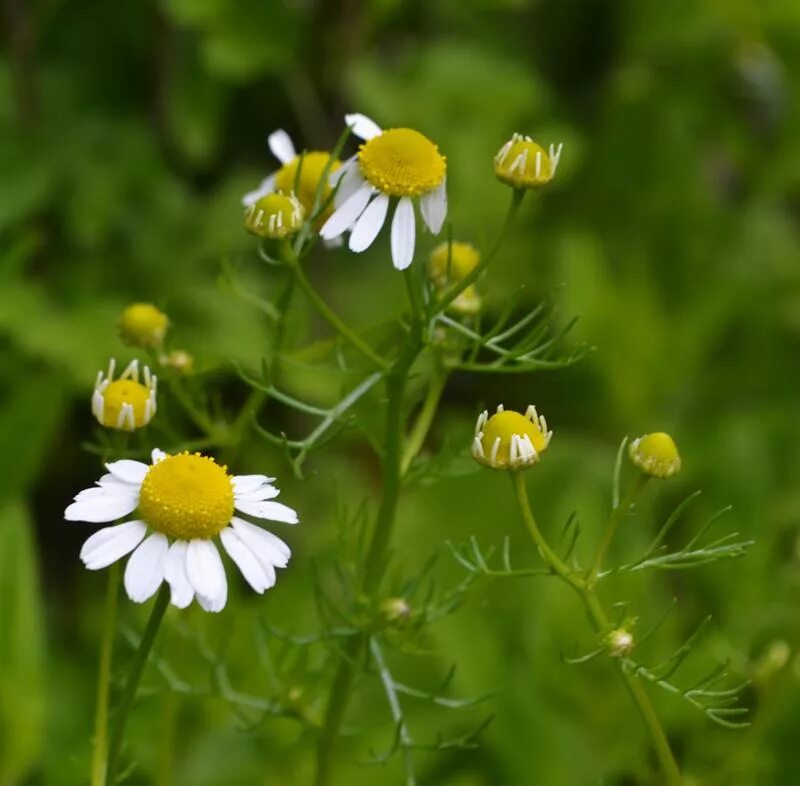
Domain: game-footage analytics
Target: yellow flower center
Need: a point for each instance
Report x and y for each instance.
(449, 263)
(506, 425)
(314, 163)
(121, 392)
(523, 164)
(143, 325)
(187, 496)
(656, 454)
(274, 215)
(402, 162)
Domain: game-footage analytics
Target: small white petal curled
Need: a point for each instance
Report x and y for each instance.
(403, 234)
(433, 207)
(281, 145)
(259, 575)
(157, 455)
(269, 548)
(345, 215)
(128, 471)
(206, 574)
(245, 483)
(112, 543)
(272, 511)
(175, 574)
(362, 126)
(145, 569)
(369, 224)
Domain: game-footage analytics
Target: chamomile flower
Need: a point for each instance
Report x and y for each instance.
(448, 264)
(393, 164)
(656, 455)
(510, 440)
(125, 403)
(181, 503)
(143, 325)
(522, 163)
(274, 216)
(283, 181)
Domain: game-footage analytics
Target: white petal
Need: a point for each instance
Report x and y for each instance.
(362, 126)
(274, 511)
(206, 574)
(351, 181)
(258, 495)
(127, 470)
(269, 548)
(157, 455)
(99, 505)
(244, 483)
(145, 569)
(369, 224)
(112, 543)
(403, 234)
(433, 207)
(345, 215)
(266, 186)
(280, 143)
(258, 575)
(175, 574)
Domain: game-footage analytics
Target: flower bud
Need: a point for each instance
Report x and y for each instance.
(274, 216)
(143, 325)
(449, 264)
(125, 403)
(656, 455)
(510, 440)
(522, 163)
(394, 610)
(619, 643)
(178, 360)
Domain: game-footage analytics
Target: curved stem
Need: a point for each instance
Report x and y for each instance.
(100, 743)
(424, 421)
(600, 623)
(132, 682)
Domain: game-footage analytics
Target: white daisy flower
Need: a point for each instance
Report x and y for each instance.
(182, 503)
(396, 163)
(283, 181)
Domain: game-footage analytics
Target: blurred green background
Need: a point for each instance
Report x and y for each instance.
(129, 132)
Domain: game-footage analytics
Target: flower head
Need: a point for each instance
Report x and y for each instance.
(286, 181)
(179, 360)
(510, 440)
(656, 455)
(125, 403)
(183, 502)
(619, 642)
(449, 264)
(143, 325)
(393, 164)
(274, 216)
(522, 163)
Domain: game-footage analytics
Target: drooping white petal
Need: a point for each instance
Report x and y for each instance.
(281, 145)
(112, 543)
(369, 224)
(242, 484)
(269, 548)
(362, 126)
(258, 575)
(145, 569)
(273, 511)
(101, 504)
(127, 470)
(266, 186)
(206, 574)
(175, 574)
(345, 215)
(157, 455)
(403, 234)
(433, 207)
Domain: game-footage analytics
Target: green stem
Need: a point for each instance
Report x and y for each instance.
(100, 748)
(516, 200)
(600, 623)
(611, 526)
(333, 319)
(132, 682)
(424, 421)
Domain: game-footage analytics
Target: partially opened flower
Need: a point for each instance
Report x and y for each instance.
(510, 440)
(181, 503)
(283, 181)
(274, 216)
(396, 164)
(522, 163)
(125, 403)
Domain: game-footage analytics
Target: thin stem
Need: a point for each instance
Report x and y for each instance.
(100, 747)
(424, 421)
(599, 620)
(611, 526)
(132, 682)
(517, 196)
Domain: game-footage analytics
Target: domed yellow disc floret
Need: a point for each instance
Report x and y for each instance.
(125, 403)
(314, 163)
(187, 496)
(522, 163)
(143, 325)
(656, 454)
(402, 162)
(274, 216)
(449, 263)
(509, 440)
